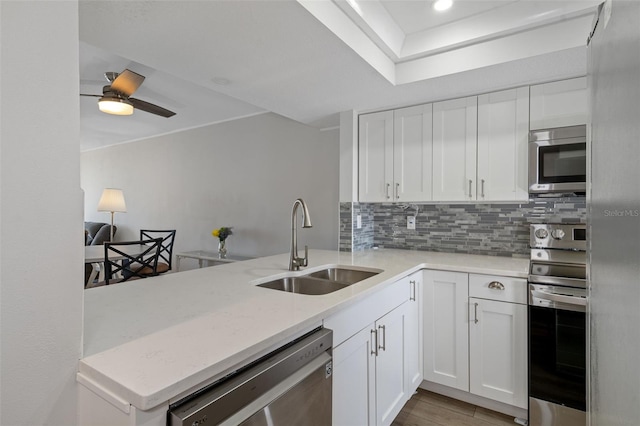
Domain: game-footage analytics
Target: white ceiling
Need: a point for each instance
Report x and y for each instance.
(416, 16)
(308, 59)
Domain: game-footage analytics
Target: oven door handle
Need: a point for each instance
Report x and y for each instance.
(570, 282)
(560, 298)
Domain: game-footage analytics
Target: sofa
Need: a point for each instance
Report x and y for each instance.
(95, 234)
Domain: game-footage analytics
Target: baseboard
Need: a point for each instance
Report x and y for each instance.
(489, 404)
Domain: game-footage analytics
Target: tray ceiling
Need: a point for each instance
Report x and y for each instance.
(309, 60)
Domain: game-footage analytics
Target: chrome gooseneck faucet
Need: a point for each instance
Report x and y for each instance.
(296, 262)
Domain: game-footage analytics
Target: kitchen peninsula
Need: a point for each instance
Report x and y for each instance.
(154, 341)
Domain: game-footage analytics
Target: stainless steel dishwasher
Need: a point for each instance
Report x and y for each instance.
(290, 386)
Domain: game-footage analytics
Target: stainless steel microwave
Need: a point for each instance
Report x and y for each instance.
(558, 160)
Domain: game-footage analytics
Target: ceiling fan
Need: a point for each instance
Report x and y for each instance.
(115, 98)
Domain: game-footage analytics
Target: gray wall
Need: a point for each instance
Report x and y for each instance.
(41, 262)
(244, 173)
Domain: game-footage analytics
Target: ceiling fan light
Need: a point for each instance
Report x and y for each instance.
(115, 106)
(441, 5)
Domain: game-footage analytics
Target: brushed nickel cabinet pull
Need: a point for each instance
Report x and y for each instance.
(374, 338)
(482, 188)
(384, 338)
(397, 191)
(412, 295)
(496, 285)
(470, 183)
(475, 312)
(388, 185)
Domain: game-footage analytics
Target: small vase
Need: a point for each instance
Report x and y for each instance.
(222, 249)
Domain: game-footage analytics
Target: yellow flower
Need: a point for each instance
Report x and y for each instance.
(222, 233)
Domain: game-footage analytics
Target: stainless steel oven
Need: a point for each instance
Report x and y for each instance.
(290, 386)
(558, 160)
(557, 325)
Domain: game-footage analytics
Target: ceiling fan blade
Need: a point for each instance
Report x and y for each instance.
(86, 94)
(127, 82)
(149, 107)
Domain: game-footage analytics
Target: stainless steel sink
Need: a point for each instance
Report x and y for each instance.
(304, 285)
(320, 282)
(343, 275)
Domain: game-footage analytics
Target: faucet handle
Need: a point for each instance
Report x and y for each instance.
(305, 261)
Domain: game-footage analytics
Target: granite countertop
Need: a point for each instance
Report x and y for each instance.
(148, 341)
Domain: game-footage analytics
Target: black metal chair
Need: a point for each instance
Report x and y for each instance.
(166, 247)
(142, 265)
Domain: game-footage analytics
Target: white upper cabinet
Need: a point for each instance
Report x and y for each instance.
(375, 156)
(559, 104)
(455, 125)
(412, 153)
(395, 155)
(468, 149)
(503, 128)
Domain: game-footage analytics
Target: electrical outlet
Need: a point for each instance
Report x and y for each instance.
(358, 221)
(411, 222)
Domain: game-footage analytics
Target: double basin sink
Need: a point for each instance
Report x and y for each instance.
(321, 282)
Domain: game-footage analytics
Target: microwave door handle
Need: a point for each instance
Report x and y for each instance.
(561, 298)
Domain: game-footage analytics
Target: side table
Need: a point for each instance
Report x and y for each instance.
(211, 258)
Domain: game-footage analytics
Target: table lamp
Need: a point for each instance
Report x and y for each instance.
(112, 200)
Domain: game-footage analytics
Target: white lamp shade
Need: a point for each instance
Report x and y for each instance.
(112, 200)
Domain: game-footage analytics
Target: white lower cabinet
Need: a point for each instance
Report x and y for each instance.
(369, 381)
(446, 331)
(377, 366)
(354, 380)
(498, 338)
(475, 334)
(413, 328)
(391, 388)
(497, 351)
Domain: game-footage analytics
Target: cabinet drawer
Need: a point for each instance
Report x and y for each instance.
(349, 321)
(511, 289)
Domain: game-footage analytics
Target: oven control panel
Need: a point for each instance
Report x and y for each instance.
(561, 236)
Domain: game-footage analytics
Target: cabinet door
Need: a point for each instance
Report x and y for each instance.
(446, 331)
(390, 369)
(498, 351)
(559, 104)
(503, 129)
(412, 153)
(454, 149)
(413, 349)
(375, 156)
(354, 380)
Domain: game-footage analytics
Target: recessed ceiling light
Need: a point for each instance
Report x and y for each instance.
(442, 5)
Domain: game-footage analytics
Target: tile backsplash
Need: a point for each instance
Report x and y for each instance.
(489, 229)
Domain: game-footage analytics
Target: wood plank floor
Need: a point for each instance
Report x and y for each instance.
(430, 409)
